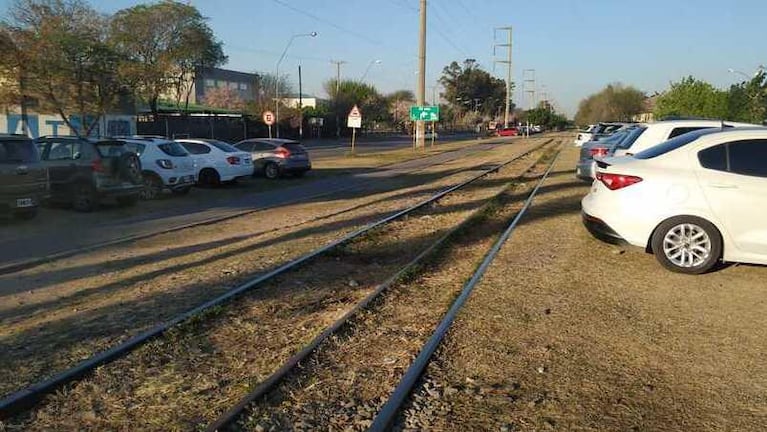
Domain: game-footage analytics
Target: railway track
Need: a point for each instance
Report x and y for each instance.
(292, 378)
(14, 267)
(21, 401)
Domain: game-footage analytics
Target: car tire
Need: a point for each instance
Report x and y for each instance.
(84, 198)
(687, 244)
(153, 186)
(271, 171)
(129, 168)
(127, 201)
(209, 178)
(27, 214)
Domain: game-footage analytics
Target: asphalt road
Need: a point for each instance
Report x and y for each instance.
(61, 231)
(325, 149)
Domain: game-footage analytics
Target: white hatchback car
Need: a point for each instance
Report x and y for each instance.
(692, 201)
(165, 165)
(217, 161)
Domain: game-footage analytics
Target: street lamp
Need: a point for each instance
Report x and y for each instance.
(277, 77)
(372, 62)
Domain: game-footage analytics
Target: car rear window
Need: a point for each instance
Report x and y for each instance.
(673, 144)
(111, 148)
(16, 151)
(173, 149)
(294, 147)
(224, 147)
(629, 140)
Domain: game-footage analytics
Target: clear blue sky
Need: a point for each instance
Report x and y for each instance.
(576, 46)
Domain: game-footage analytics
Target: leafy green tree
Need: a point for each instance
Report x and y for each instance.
(164, 44)
(691, 97)
(374, 106)
(62, 59)
(469, 88)
(615, 102)
(747, 101)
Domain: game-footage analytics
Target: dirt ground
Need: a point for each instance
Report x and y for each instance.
(568, 333)
(181, 380)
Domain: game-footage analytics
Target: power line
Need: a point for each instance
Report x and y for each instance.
(328, 22)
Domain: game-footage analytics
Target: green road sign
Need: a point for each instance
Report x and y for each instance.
(425, 113)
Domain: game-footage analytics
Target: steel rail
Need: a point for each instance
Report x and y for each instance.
(23, 399)
(391, 408)
(265, 386)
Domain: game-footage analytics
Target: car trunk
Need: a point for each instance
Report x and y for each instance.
(297, 151)
(23, 180)
(107, 171)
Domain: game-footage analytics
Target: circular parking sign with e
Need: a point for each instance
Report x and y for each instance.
(268, 118)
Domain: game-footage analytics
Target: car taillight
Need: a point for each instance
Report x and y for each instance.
(598, 151)
(617, 181)
(97, 166)
(165, 163)
(282, 152)
(233, 160)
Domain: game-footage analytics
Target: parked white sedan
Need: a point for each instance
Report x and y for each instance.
(217, 161)
(692, 201)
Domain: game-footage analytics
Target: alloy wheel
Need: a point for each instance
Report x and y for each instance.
(687, 245)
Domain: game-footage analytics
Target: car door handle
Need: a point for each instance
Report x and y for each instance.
(723, 186)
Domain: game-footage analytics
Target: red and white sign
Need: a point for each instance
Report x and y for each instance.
(268, 118)
(355, 118)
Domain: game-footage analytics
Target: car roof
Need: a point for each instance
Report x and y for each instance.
(144, 140)
(13, 136)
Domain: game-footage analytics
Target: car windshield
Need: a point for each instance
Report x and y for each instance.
(674, 143)
(18, 151)
(224, 147)
(173, 149)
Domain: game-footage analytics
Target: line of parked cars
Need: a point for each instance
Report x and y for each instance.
(692, 192)
(84, 172)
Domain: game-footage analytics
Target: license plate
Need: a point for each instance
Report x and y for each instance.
(25, 202)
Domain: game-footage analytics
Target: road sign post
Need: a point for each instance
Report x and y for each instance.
(354, 121)
(268, 118)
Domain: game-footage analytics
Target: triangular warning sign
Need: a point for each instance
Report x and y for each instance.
(355, 112)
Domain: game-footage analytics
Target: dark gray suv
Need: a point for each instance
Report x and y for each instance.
(84, 172)
(274, 157)
(23, 179)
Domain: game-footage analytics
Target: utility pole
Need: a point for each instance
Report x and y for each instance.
(338, 64)
(300, 106)
(420, 125)
(529, 84)
(507, 62)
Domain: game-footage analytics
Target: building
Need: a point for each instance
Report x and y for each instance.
(307, 101)
(647, 115)
(242, 84)
(53, 125)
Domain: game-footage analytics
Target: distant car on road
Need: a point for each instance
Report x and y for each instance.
(510, 131)
(84, 172)
(165, 165)
(692, 201)
(217, 161)
(274, 157)
(23, 178)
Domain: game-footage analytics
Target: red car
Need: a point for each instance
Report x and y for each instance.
(507, 132)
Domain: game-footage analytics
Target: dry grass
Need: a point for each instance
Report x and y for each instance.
(567, 333)
(342, 386)
(186, 378)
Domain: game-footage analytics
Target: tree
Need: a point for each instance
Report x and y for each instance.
(615, 102)
(693, 98)
(399, 103)
(165, 43)
(61, 58)
(747, 101)
(469, 88)
(373, 105)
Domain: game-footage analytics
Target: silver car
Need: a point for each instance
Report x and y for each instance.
(585, 169)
